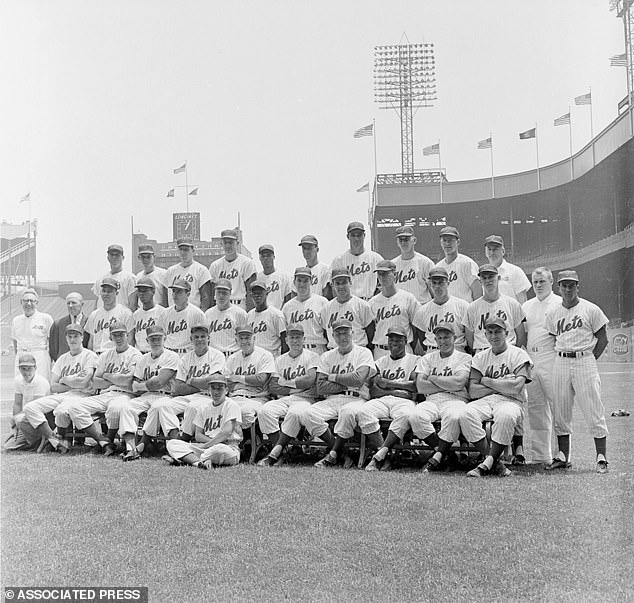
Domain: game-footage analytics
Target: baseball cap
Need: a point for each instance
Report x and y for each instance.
(199, 327)
(73, 327)
(217, 378)
(181, 283)
(115, 248)
(258, 283)
(118, 327)
(404, 231)
(495, 321)
(145, 281)
(295, 328)
(385, 266)
(355, 226)
(310, 239)
(245, 328)
(26, 360)
(184, 243)
(108, 281)
(146, 249)
(449, 230)
(154, 330)
(229, 234)
(340, 272)
(438, 271)
(396, 330)
(266, 247)
(487, 269)
(224, 283)
(442, 326)
(303, 271)
(567, 275)
(494, 240)
(340, 324)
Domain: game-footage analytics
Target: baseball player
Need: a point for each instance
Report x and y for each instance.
(71, 378)
(293, 383)
(238, 269)
(218, 432)
(492, 303)
(195, 370)
(442, 375)
(306, 309)
(540, 346)
(113, 377)
(462, 270)
(269, 324)
(392, 391)
(30, 333)
(390, 308)
(193, 272)
(412, 268)
(349, 307)
(343, 375)
(442, 308)
(28, 385)
(126, 293)
(100, 319)
(153, 379)
(580, 338)
(359, 262)
(279, 286)
(223, 319)
(148, 314)
(497, 388)
(57, 339)
(178, 319)
(513, 281)
(248, 372)
(156, 273)
(320, 273)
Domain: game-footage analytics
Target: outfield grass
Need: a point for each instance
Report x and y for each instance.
(296, 533)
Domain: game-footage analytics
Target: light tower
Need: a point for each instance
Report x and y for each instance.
(404, 80)
(624, 10)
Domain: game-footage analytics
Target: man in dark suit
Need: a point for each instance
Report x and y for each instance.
(57, 339)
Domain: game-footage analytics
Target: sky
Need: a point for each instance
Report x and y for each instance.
(103, 99)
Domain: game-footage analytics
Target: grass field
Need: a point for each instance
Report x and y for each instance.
(296, 533)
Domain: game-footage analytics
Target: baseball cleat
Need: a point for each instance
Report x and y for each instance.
(202, 465)
(326, 462)
(480, 471)
(374, 465)
(267, 461)
(500, 469)
(558, 464)
(63, 446)
(131, 455)
(108, 450)
(602, 466)
(518, 459)
(170, 460)
(431, 465)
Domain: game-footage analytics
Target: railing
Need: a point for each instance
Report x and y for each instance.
(11, 252)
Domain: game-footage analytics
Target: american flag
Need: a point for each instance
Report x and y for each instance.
(528, 134)
(26, 198)
(563, 120)
(181, 169)
(365, 131)
(194, 192)
(618, 60)
(364, 189)
(170, 192)
(434, 149)
(584, 99)
(487, 143)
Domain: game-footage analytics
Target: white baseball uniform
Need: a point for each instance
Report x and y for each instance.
(451, 312)
(512, 279)
(361, 268)
(237, 271)
(308, 314)
(480, 310)
(222, 327)
(142, 320)
(356, 310)
(319, 278)
(158, 276)
(268, 327)
(31, 335)
(195, 274)
(127, 283)
(575, 376)
(411, 275)
(278, 286)
(98, 326)
(462, 272)
(178, 326)
(398, 310)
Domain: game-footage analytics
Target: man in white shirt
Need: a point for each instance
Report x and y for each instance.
(320, 272)
(513, 281)
(412, 268)
(126, 293)
(193, 272)
(279, 285)
(462, 270)
(156, 273)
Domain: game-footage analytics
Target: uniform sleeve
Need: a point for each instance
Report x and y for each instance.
(365, 313)
(338, 262)
(49, 323)
(217, 363)
(313, 360)
(230, 366)
(128, 320)
(101, 362)
(517, 313)
(478, 363)
(467, 320)
(134, 359)
(203, 276)
(266, 363)
(91, 360)
(140, 367)
(281, 322)
(231, 412)
(365, 358)
(171, 362)
(56, 371)
(199, 420)
(323, 366)
(181, 371)
(412, 308)
(472, 270)
(250, 269)
(464, 364)
(213, 271)
(597, 318)
(520, 281)
(423, 367)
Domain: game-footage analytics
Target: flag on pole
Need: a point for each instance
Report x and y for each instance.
(528, 134)
(365, 131)
(364, 189)
(584, 99)
(618, 60)
(181, 169)
(487, 143)
(194, 192)
(434, 149)
(563, 120)
(170, 193)
(26, 198)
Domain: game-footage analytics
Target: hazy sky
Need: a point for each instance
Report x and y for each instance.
(102, 100)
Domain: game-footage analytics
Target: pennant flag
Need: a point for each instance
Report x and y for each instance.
(170, 193)
(618, 60)
(528, 134)
(624, 102)
(26, 197)
(194, 192)
(364, 189)
(365, 131)
(432, 150)
(584, 99)
(487, 143)
(181, 169)
(563, 120)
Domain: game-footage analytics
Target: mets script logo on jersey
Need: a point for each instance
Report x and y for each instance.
(313, 279)
(484, 317)
(337, 369)
(298, 316)
(434, 320)
(198, 371)
(564, 327)
(186, 277)
(401, 277)
(360, 269)
(260, 327)
(112, 367)
(149, 372)
(347, 315)
(172, 327)
(289, 373)
(453, 277)
(501, 371)
(248, 370)
(141, 325)
(212, 424)
(445, 372)
(229, 274)
(384, 313)
(397, 373)
(71, 370)
(274, 286)
(216, 325)
(104, 324)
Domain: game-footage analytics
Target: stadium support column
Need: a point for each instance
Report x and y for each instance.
(570, 221)
(511, 219)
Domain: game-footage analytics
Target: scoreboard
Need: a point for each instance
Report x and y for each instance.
(187, 226)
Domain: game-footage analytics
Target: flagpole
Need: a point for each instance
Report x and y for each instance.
(572, 173)
(539, 184)
(492, 176)
(186, 188)
(440, 169)
(592, 130)
(374, 141)
(28, 278)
